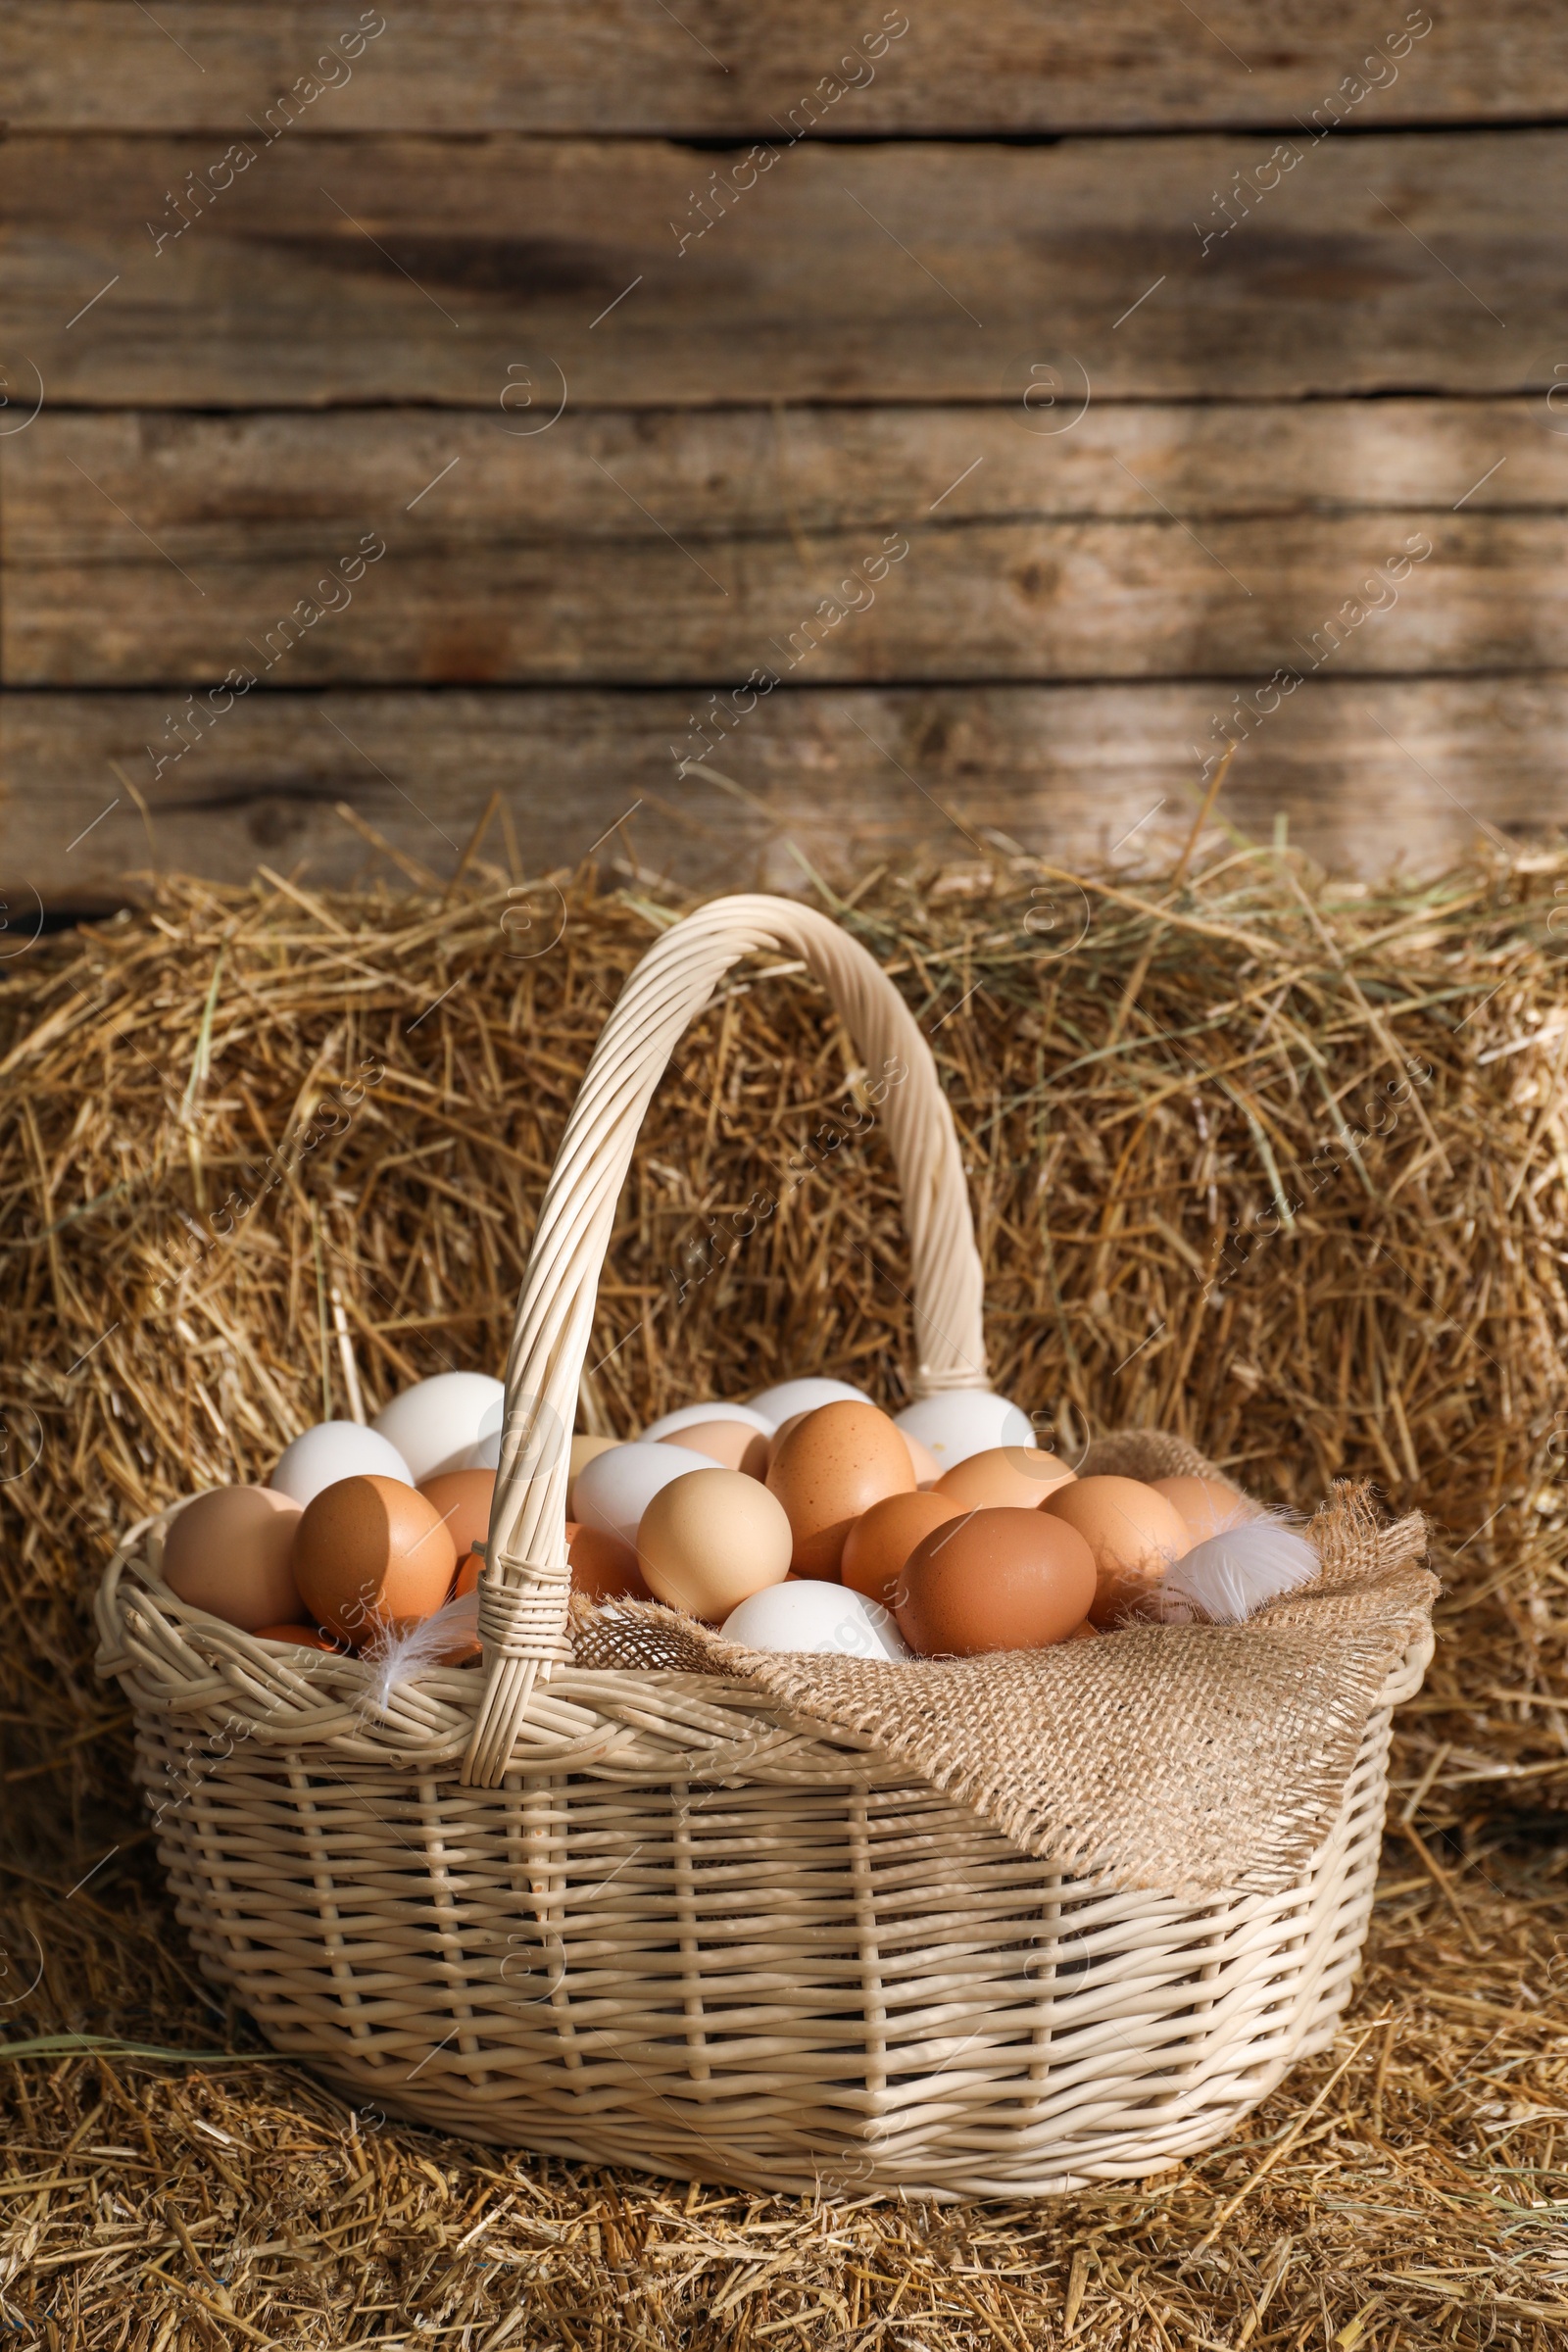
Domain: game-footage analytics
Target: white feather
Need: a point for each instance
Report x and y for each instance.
(1223, 1580)
(399, 1656)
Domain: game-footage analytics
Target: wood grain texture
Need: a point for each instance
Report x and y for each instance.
(727, 68)
(386, 270)
(629, 549)
(1367, 776)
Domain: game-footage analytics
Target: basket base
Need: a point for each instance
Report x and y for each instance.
(838, 2179)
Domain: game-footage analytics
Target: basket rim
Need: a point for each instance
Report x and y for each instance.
(455, 1693)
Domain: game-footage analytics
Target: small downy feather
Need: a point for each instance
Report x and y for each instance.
(1223, 1580)
(398, 1657)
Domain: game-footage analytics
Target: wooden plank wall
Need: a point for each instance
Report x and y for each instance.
(847, 427)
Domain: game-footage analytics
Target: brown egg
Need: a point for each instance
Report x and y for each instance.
(601, 1566)
(733, 1444)
(583, 1450)
(832, 1466)
(927, 1469)
(1084, 1633)
(229, 1552)
(711, 1538)
(464, 1498)
(779, 1434)
(604, 1567)
(1015, 1478)
(998, 1579)
(372, 1553)
(303, 1636)
(1133, 1532)
(1209, 1507)
(469, 1563)
(882, 1539)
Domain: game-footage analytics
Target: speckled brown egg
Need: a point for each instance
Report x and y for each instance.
(464, 1498)
(882, 1539)
(1014, 1478)
(1134, 1534)
(999, 1579)
(832, 1466)
(229, 1552)
(776, 1440)
(371, 1552)
(733, 1444)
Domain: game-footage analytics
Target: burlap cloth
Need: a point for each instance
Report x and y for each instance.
(1183, 1759)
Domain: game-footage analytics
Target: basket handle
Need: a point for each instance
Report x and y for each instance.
(525, 1586)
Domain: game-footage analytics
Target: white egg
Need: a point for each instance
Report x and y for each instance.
(824, 1620)
(486, 1453)
(436, 1424)
(959, 1422)
(335, 1449)
(689, 1416)
(614, 1490)
(803, 1396)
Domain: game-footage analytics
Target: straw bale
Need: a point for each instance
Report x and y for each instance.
(1204, 1202)
(1272, 1163)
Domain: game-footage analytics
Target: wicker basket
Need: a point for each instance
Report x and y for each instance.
(652, 1918)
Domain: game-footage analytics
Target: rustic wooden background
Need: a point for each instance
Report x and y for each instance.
(366, 334)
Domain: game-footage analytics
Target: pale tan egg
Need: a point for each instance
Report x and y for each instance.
(1014, 1478)
(584, 1449)
(927, 1469)
(883, 1537)
(228, 1551)
(1134, 1534)
(995, 1579)
(830, 1468)
(733, 1444)
(1209, 1507)
(372, 1554)
(710, 1540)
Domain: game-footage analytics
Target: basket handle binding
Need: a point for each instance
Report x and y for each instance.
(526, 1583)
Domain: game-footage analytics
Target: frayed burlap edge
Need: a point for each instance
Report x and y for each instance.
(1178, 1759)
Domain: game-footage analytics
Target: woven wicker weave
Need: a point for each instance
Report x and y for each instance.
(654, 1918)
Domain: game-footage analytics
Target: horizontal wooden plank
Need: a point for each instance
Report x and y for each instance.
(719, 68)
(1366, 776)
(623, 549)
(269, 482)
(344, 271)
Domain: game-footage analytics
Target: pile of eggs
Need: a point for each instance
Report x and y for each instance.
(806, 1519)
(360, 1532)
(809, 1520)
